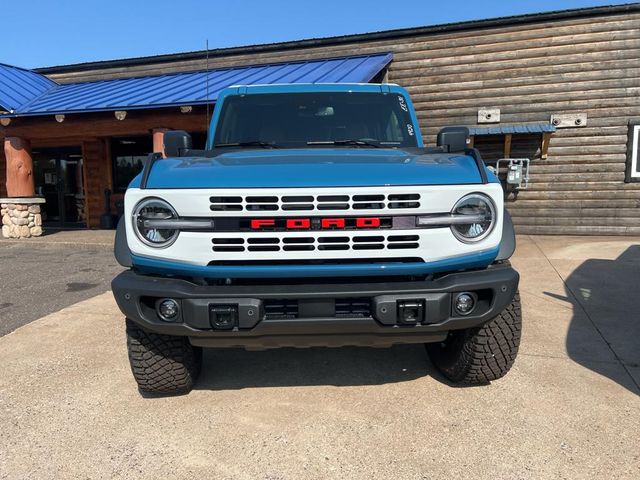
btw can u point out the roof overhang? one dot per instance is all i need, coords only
(18, 87)
(515, 129)
(195, 88)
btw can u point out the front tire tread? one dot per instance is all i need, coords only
(162, 364)
(478, 356)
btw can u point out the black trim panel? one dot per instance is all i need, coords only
(135, 293)
(508, 241)
(120, 247)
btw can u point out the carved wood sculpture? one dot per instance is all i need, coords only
(158, 139)
(19, 167)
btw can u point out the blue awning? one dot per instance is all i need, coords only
(191, 88)
(522, 128)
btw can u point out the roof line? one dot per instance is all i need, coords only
(110, 95)
(341, 39)
(222, 69)
(19, 68)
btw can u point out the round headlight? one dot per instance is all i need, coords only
(475, 217)
(144, 215)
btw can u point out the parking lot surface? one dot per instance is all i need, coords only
(570, 408)
(42, 275)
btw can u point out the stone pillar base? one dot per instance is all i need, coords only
(21, 217)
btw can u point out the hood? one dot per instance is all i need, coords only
(313, 167)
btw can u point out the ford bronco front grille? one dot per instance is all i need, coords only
(353, 307)
(312, 242)
(292, 203)
(285, 309)
(281, 309)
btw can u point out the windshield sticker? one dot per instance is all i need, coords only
(403, 103)
(410, 129)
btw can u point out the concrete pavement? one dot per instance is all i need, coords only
(570, 408)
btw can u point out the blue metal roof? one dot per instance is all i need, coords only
(522, 128)
(18, 87)
(192, 89)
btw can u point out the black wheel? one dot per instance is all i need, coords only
(477, 356)
(162, 363)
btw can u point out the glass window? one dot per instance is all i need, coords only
(633, 152)
(291, 120)
(129, 155)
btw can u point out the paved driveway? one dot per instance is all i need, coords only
(570, 408)
(41, 276)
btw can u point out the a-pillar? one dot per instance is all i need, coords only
(158, 139)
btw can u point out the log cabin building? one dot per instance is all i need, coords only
(560, 88)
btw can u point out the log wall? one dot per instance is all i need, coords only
(3, 173)
(97, 178)
(586, 63)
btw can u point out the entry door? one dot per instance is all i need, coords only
(58, 178)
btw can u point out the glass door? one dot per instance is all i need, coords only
(58, 178)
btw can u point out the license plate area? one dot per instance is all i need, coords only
(280, 309)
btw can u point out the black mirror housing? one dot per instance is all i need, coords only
(176, 142)
(453, 139)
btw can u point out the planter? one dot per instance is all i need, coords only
(21, 217)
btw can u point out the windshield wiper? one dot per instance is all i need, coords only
(359, 143)
(253, 143)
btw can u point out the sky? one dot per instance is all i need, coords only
(39, 33)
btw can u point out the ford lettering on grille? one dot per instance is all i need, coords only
(319, 223)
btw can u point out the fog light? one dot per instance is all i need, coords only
(465, 303)
(168, 310)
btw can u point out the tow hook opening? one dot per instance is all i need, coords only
(223, 317)
(410, 312)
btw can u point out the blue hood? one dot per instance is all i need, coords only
(313, 167)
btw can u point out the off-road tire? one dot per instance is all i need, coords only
(477, 356)
(162, 364)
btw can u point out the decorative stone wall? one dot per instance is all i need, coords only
(21, 217)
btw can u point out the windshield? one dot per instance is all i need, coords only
(292, 120)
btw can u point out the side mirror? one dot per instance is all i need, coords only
(176, 142)
(454, 139)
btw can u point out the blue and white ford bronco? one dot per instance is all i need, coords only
(315, 216)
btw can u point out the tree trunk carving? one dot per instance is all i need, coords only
(20, 181)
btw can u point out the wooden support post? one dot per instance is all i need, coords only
(544, 149)
(507, 146)
(19, 167)
(471, 141)
(158, 139)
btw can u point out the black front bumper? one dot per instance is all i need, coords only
(315, 314)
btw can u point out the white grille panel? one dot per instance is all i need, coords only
(196, 248)
(311, 242)
(314, 203)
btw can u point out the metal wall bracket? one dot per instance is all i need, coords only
(569, 120)
(489, 115)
